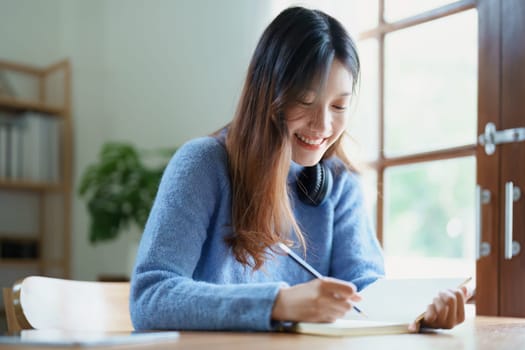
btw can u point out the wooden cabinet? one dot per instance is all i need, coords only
(35, 184)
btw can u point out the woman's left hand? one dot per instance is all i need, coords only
(446, 311)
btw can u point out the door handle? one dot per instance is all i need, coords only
(492, 137)
(482, 197)
(512, 194)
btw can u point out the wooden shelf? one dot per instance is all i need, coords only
(16, 261)
(26, 185)
(19, 105)
(51, 214)
(24, 237)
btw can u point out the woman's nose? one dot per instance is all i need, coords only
(321, 120)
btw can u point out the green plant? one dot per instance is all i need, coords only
(119, 188)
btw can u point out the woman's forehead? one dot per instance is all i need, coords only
(339, 81)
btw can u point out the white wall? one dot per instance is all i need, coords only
(84, 41)
(177, 66)
(30, 30)
(156, 73)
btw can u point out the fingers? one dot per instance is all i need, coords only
(468, 292)
(460, 311)
(450, 301)
(336, 295)
(340, 289)
(320, 300)
(413, 327)
(431, 315)
(446, 311)
(331, 311)
(438, 313)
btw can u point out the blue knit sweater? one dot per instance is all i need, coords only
(185, 275)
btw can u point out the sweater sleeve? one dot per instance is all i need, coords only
(356, 254)
(163, 293)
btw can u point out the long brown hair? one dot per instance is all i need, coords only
(294, 54)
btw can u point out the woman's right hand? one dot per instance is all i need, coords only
(319, 300)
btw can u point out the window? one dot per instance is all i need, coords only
(416, 122)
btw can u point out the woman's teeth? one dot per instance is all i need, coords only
(314, 142)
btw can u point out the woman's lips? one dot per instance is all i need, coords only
(309, 143)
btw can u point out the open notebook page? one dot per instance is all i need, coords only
(390, 306)
(401, 300)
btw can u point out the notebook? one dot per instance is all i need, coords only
(390, 306)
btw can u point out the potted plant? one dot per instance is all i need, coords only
(120, 188)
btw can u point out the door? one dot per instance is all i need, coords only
(501, 171)
(512, 273)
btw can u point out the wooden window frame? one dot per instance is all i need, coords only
(383, 162)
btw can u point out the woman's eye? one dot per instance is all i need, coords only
(339, 108)
(306, 99)
(305, 103)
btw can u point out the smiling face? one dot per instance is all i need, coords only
(315, 122)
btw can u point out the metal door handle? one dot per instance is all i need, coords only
(492, 137)
(512, 194)
(482, 197)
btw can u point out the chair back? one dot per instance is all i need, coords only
(51, 303)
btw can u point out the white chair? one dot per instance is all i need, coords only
(67, 305)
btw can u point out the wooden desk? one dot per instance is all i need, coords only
(481, 333)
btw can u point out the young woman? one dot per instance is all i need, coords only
(209, 256)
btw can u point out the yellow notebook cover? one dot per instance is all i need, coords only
(390, 306)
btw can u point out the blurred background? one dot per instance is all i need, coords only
(155, 74)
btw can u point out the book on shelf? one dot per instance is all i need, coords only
(29, 147)
(31, 124)
(6, 121)
(41, 148)
(389, 307)
(15, 169)
(3, 150)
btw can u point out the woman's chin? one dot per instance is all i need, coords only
(306, 161)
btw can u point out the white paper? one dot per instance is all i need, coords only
(400, 300)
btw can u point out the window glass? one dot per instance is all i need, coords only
(431, 85)
(362, 14)
(355, 15)
(364, 119)
(429, 218)
(369, 183)
(399, 9)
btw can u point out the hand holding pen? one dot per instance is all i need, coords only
(323, 299)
